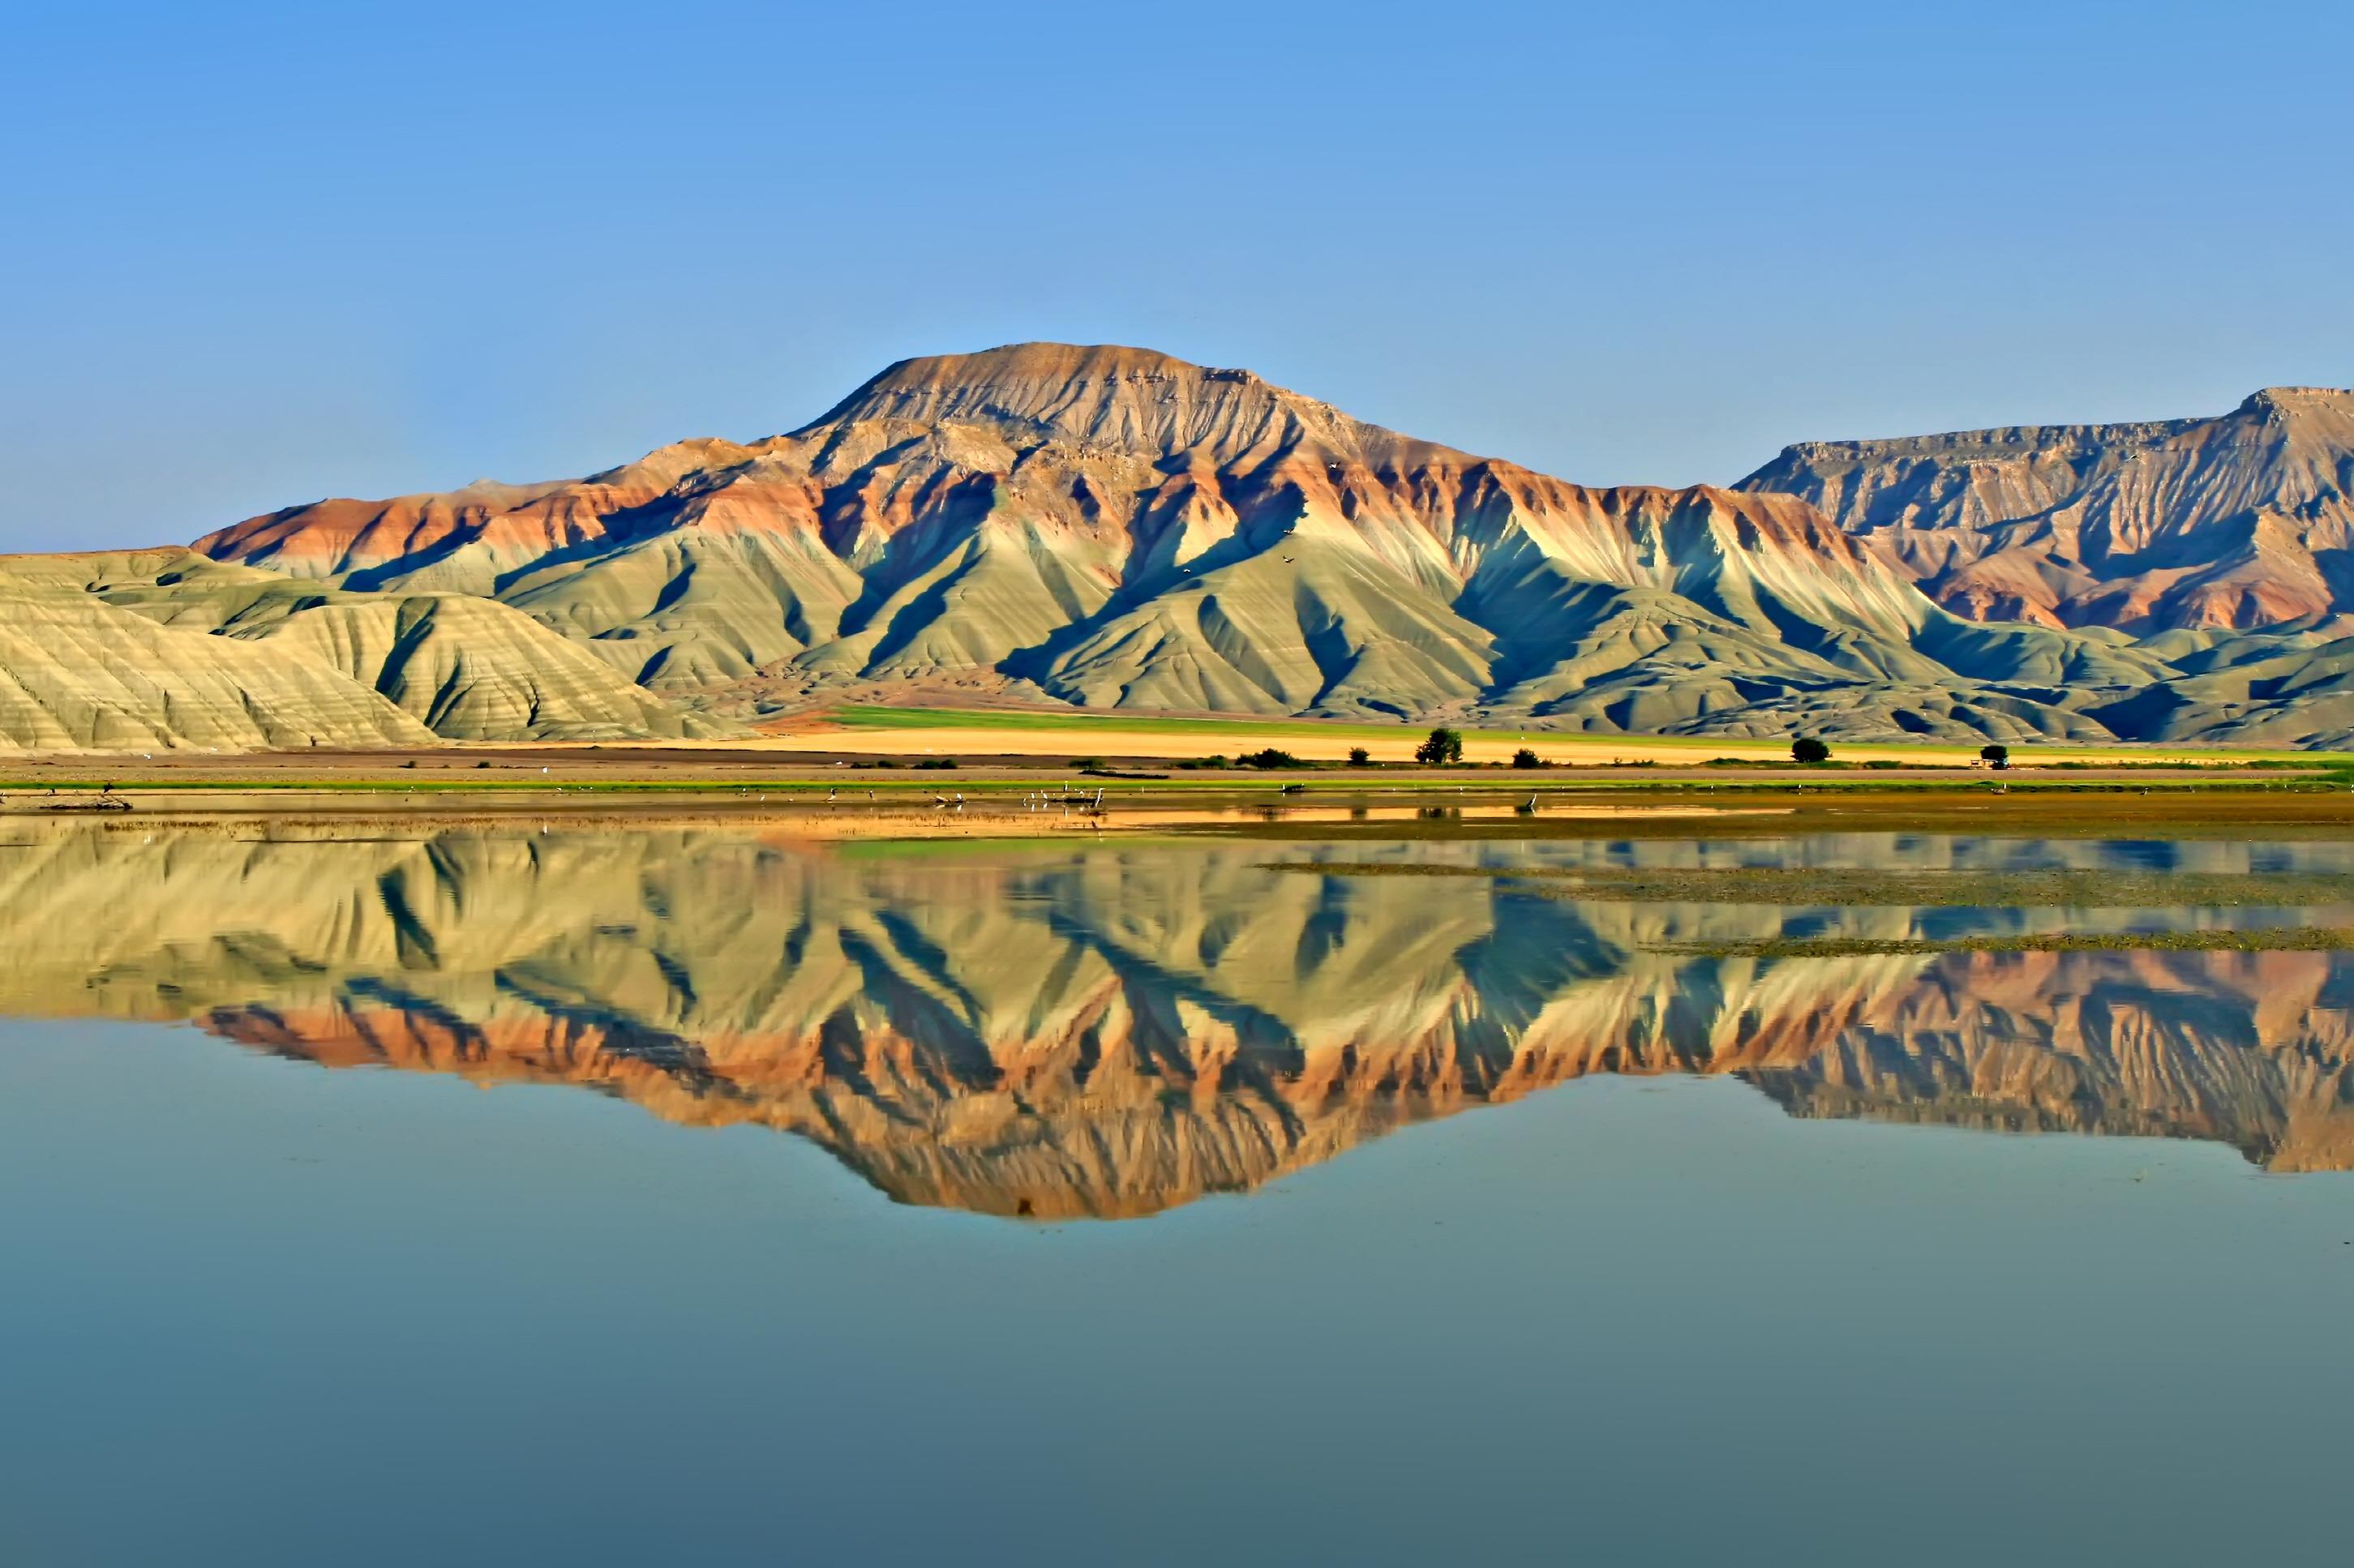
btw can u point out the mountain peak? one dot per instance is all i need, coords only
(2142, 527)
(1111, 396)
(1047, 361)
(2287, 402)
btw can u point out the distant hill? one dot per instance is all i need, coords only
(2238, 522)
(1111, 528)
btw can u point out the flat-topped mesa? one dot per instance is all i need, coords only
(2315, 423)
(2339, 400)
(2226, 522)
(1123, 400)
(2314, 414)
(1995, 444)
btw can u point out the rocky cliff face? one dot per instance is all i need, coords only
(1111, 1032)
(2234, 523)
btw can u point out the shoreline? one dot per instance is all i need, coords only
(1472, 804)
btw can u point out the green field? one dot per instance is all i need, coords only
(878, 716)
(875, 716)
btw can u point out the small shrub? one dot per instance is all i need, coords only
(937, 763)
(1270, 757)
(1359, 756)
(1439, 747)
(1525, 757)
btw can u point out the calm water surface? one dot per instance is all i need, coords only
(492, 1195)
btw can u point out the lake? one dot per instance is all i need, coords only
(700, 1194)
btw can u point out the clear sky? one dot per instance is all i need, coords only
(258, 254)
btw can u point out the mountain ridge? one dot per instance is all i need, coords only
(1113, 527)
(2240, 521)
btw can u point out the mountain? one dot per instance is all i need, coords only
(2234, 522)
(167, 648)
(1112, 527)
(78, 673)
(1111, 1031)
(1116, 528)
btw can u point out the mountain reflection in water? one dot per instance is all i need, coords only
(1116, 1029)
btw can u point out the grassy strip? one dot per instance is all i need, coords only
(921, 782)
(1490, 787)
(876, 715)
(1790, 888)
(1241, 728)
(2275, 939)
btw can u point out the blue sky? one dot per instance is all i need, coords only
(259, 254)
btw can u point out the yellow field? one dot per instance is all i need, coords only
(946, 733)
(1111, 739)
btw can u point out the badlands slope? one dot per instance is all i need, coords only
(139, 650)
(2241, 520)
(1116, 529)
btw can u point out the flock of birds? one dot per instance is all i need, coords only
(1031, 800)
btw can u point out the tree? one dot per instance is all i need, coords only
(1359, 756)
(1441, 745)
(1808, 749)
(1995, 755)
(1525, 757)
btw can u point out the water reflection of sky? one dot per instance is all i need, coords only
(261, 1314)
